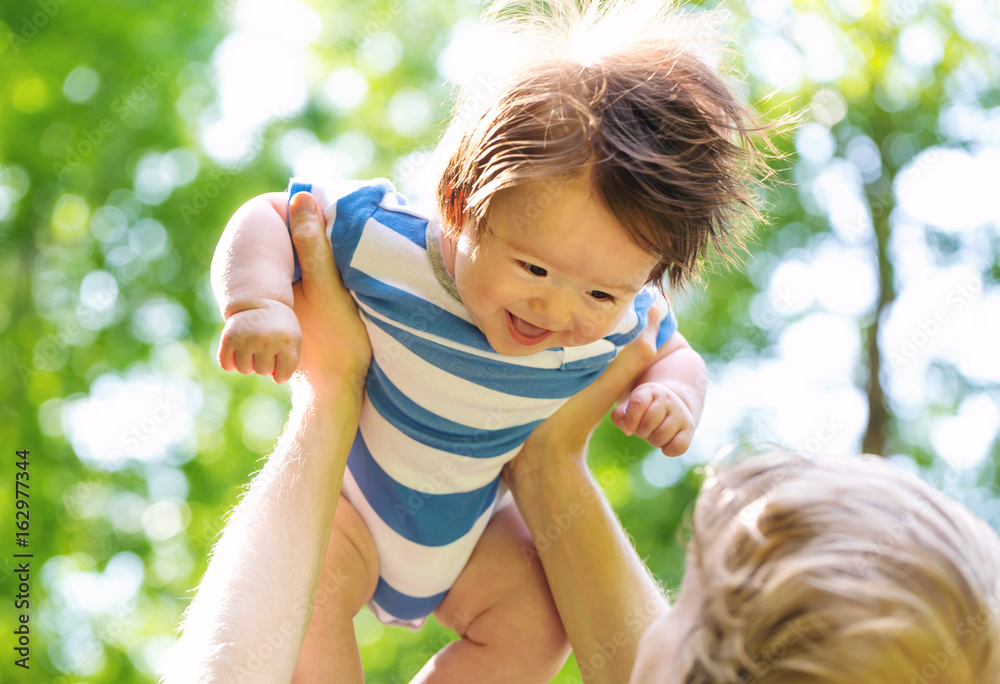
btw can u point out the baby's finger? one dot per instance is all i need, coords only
(243, 360)
(665, 431)
(679, 443)
(286, 363)
(263, 363)
(656, 414)
(618, 415)
(225, 355)
(635, 409)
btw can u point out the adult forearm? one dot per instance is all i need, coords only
(602, 589)
(248, 619)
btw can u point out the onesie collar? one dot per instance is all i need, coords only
(433, 237)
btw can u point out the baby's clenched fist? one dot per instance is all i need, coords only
(265, 339)
(657, 414)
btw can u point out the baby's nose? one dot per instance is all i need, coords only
(555, 310)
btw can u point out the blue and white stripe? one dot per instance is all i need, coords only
(443, 412)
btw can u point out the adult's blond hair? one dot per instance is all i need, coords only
(631, 93)
(839, 570)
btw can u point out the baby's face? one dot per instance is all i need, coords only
(554, 269)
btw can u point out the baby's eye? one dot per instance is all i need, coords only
(532, 269)
(602, 296)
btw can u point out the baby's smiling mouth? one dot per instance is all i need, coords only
(524, 332)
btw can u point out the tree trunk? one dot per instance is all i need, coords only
(879, 415)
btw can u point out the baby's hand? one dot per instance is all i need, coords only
(265, 340)
(657, 414)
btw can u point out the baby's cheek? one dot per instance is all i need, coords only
(582, 337)
(480, 299)
(481, 305)
(597, 325)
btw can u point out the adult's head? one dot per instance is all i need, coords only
(829, 570)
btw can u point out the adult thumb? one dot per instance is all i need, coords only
(308, 229)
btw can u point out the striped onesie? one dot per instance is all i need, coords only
(443, 412)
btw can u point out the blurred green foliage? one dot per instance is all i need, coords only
(93, 93)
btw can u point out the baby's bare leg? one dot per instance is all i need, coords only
(502, 608)
(350, 575)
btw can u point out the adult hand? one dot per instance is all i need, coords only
(335, 343)
(566, 433)
(603, 591)
(271, 553)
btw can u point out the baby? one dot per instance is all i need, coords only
(560, 214)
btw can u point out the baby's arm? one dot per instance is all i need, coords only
(665, 405)
(252, 273)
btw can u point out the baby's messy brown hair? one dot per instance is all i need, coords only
(671, 149)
